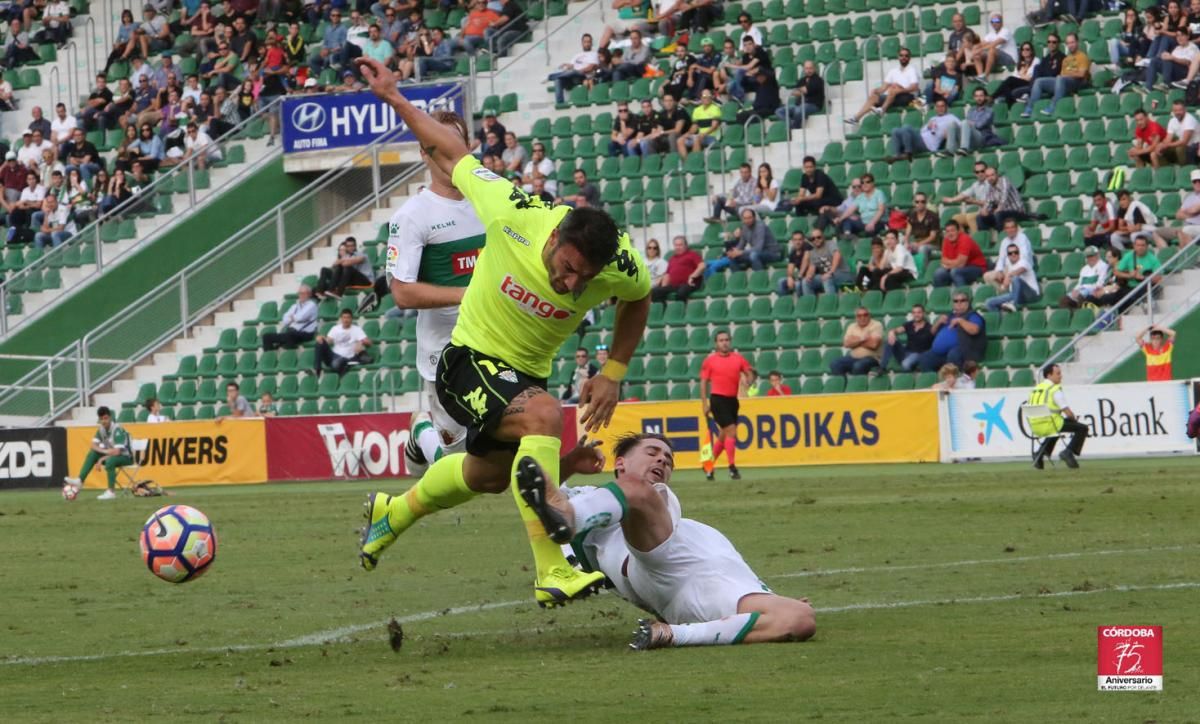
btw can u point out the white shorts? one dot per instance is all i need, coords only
(447, 428)
(695, 575)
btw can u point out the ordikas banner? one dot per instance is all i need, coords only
(1123, 419)
(886, 427)
(185, 453)
(330, 447)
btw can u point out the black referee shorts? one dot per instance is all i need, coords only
(724, 409)
(475, 389)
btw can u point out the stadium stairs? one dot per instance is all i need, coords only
(189, 374)
(42, 282)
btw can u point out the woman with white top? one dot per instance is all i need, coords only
(766, 190)
(155, 409)
(1016, 86)
(900, 267)
(655, 263)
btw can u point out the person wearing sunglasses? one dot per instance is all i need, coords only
(1074, 72)
(958, 336)
(996, 48)
(899, 89)
(1016, 279)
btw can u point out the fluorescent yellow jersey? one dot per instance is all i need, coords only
(510, 311)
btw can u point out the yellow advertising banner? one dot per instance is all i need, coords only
(204, 452)
(886, 427)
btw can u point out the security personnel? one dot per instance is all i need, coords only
(1050, 393)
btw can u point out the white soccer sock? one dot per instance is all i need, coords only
(728, 630)
(598, 508)
(430, 443)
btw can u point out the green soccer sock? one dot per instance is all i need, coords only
(442, 486)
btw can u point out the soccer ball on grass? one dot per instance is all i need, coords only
(178, 543)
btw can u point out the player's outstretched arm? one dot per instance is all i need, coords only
(423, 295)
(442, 143)
(598, 395)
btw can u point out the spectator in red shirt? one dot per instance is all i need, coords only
(721, 373)
(1147, 134)
(12, 176)
(962, 260)
(777, 387)
(685, 273)
(479, 20)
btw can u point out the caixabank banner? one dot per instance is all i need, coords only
(887, 427)
(185, 453)
(1123, 419)
(33, 457)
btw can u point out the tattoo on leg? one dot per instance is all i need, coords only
(517, 405)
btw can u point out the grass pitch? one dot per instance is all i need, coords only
(944, 594)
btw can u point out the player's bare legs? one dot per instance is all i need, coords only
(761, 618)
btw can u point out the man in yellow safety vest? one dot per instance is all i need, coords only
(1049, 392)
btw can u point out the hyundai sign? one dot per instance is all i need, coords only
(346, 120)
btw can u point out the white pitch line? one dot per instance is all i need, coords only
(338, 634)
(981, 562)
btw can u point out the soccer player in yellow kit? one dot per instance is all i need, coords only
(542, 268)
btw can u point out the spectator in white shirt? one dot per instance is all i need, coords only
(52, 225)
(1012, 235)
(539, 167)
(62, 125)
(31, 153)
(1172, 65)
(56, 23)
(199, 146)
(1179, 147)
(344, 345)
(1017, 280)
(996, 48)
(940, 131)
(899, 88)
(578, 71)
(29, 202)
(1092, 277)
(154, 411)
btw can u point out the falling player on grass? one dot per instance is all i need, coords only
(542, 268)
(686, 573)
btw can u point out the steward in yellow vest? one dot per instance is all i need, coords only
(1062, 420)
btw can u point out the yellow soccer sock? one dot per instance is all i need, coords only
(442, 486)
(544, 449)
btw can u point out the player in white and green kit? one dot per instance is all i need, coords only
(542, 269)
(110, 449)
(688, 574)
(433, 241)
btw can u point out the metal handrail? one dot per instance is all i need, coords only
(1182, 259)
(72, 52)
(867, 63)
(545, 39)
(676, 173)
(188, 316)
(92, 232)
(89, 29)
(746, 135)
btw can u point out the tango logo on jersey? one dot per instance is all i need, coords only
(529, 302)
(463, 262)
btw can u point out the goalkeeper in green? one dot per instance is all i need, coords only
(541, 269)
